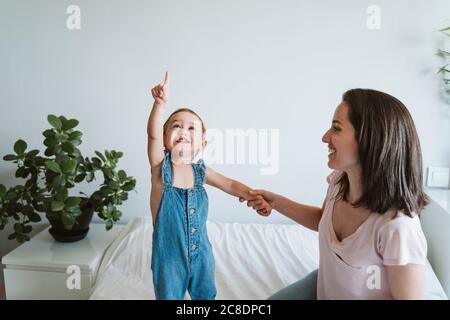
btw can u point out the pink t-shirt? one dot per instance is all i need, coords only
(354, 268)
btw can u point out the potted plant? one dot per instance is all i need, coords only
(49, 178)
(444, 71)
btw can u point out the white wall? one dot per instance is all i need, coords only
(240, 64)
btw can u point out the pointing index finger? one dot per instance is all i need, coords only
(166, 79)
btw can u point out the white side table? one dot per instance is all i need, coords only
(38, 269)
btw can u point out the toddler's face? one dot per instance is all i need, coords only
(184, 137)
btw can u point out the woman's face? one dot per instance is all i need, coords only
(342, 144)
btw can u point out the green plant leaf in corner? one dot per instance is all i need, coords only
(68, 166)
(68, 220)
(57, 205)
(69, 124)
(100, 155)
(53, 166)
(109, 225)
(20, 146)
(54, 121)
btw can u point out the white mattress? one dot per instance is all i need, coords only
(253, 261)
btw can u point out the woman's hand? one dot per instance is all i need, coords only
(307, 216)
(161, 92)
(261, 200)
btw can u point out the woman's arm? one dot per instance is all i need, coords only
(155, 134)
(406, 282)
(307, 216)
(237, 189)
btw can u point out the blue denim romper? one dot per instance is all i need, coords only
(182, 257)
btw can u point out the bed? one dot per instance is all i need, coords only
(253, 261)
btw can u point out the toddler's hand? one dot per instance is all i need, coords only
(161, 92)
(259, 204)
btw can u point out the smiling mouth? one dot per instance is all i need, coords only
(331, 151)
(181, 140)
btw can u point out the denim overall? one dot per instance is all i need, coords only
(182, 257)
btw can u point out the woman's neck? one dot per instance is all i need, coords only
(355, 184)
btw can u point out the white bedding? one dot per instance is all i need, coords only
(253, 261)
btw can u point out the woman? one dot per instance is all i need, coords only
(370, 239)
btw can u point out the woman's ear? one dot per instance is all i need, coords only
(204, 143)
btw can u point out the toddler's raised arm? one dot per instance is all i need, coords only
(155, 134)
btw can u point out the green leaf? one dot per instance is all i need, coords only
(58, 182)
(122, 175)
(20, 172)
(11, 195)
(2, 191)
(106, 190)
(61, 137)
(116, 215)
(50, 142)
(69, 124)
(76, 135)
(90, 176)
(68, 147)
(96, 161)
(54, 121)
(57, 205)
(27, 229)
(100, 155)
(62, 195)
(73, 202)
(445, 29)
(68, 166)
(50, 151)
(76, 142)
(34, 217)
(114, 185)
(27, 210)
(119, 155)
(32, 153)
(52, 166)
(68, 220)
(108, 173)
(128, 186)
(20, 238)
(12, 236)
(57, 149)
(48, 133)
(18, 227)
(109, 225)
(80, 177)
(74, 210)
(10, 157)
(20, 146)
